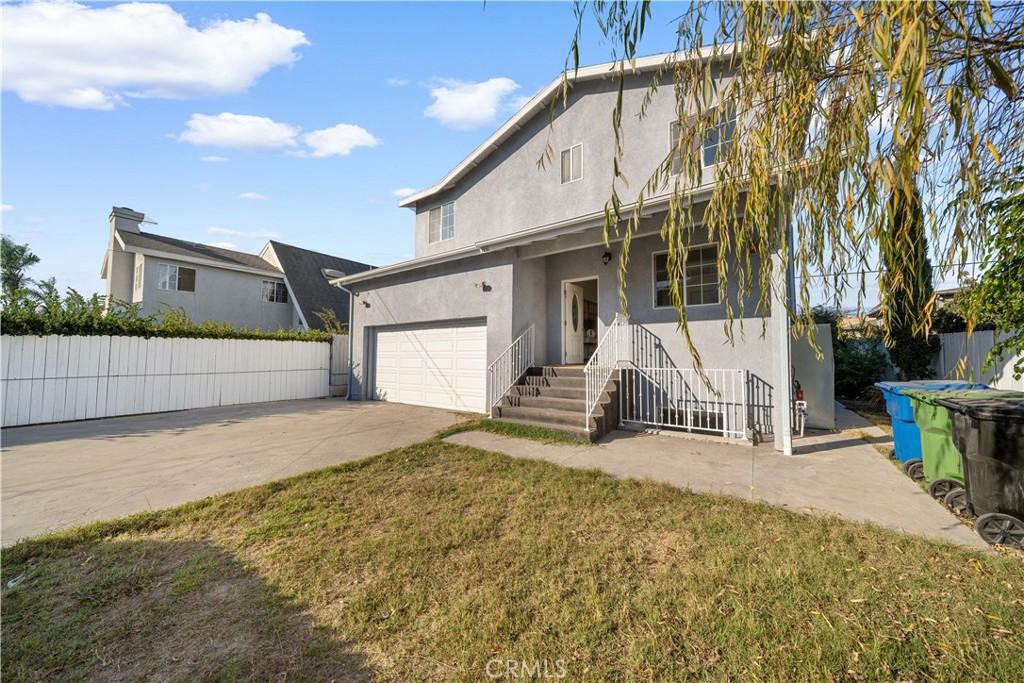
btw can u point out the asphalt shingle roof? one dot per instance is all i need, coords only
(312, 291)
(170, 245)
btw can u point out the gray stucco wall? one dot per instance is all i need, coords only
(707, 323)
(478, 288)
(221, 295)
(507, 192)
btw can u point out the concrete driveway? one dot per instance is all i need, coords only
(58, 476)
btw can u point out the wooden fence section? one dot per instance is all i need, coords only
(57, 378)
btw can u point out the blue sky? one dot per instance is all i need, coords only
(78, 137)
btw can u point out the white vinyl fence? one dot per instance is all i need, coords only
(57, 378)
(974, 350)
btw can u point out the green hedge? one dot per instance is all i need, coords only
(45, 312)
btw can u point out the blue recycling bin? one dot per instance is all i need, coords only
(905, 434)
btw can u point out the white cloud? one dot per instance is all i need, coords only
(90, 57)
(255, 196)
(403, 192)
(224, 245)
(212, 158)
(239, 131)
(398, 82)
(339, 140)
(249, 234)
(4, 208)
(465, 105)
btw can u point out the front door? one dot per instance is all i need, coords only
(572, 323)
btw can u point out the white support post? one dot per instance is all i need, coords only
(783, 416)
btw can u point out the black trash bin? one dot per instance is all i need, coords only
(989, 433)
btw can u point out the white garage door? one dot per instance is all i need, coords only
(442, 367)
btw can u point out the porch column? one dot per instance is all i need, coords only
(782, 415)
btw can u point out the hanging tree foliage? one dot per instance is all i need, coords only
(840, 106)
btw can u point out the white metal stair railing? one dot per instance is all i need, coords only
(509, 367)
(602, 363)
(675, 398)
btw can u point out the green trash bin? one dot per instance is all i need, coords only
(942, 464)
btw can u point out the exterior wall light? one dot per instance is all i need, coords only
(606, 257)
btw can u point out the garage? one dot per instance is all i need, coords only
(441, 366)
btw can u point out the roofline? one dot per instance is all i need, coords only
(549, 231)
(204, 262)
(539, 101)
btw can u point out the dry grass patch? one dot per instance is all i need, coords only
(427, 562)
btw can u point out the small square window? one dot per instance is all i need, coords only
(718, 138)
(275, 292)
(572, 164)
(700, 278)
(441, 223)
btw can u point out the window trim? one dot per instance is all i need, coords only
(677, 161)
(569, 149)
(138, 276)
(284, 288)
(440, 222)
(734, 117)
(654, 280)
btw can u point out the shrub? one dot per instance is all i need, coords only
(47, 312)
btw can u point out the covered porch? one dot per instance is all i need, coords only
(631, 370)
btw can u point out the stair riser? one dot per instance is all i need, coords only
(557, 382)
(572, 404)
(548, 371)
(544, 416)
(548, 392)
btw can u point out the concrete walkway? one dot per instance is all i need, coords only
(836, 473)
(57, 476)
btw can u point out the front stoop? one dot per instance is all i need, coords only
(554, 397)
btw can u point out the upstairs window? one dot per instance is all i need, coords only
(275, 292)
(176, 278)
(700, 278)
(673, 142)
(572, 164)
(442, 223)
(718, 139)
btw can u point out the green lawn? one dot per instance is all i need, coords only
(428, 562)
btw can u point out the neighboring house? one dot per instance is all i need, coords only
(511, 277)
(281, 287)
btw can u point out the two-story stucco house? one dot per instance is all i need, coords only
(281, 287)
(511, 306)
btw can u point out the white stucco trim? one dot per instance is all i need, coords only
(206, 262)
(293, 301)
(540, 101)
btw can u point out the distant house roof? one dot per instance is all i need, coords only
(304, 270)
(171, 245)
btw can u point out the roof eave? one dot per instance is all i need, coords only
(538, 102)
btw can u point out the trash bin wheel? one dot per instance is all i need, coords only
(914, 470)
(999, 529)
(892, 453)
(957, 501)
(940, 487)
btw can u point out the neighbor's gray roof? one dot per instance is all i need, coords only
(170, 245)
(312, 291)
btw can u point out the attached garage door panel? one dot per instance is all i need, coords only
(441, 367)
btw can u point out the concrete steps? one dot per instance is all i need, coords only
(554, 397)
